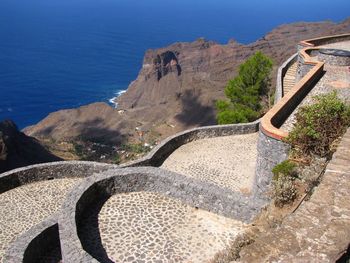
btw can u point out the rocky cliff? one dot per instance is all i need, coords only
(17, 149)
(176, 88)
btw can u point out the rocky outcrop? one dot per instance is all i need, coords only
(177, 87)
(17, 149)
(165, 63)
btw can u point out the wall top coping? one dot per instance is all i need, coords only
(311, 42)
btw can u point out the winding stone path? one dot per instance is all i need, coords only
(150, 227)
(227, 161)
(27, 205)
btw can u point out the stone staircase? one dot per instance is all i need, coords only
(289, 78)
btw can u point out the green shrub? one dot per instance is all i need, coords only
(244, 92)
(137, 148)
(117, 159)
(284, 190)
(285, 168)
(239, 114)
(319, 125)
(78, 149)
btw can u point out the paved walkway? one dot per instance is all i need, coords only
(27, 205)
(150, 227)
(227, 161)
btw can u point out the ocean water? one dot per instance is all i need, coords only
(57, 54)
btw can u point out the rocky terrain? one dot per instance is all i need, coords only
(175, 90)
(17, 149)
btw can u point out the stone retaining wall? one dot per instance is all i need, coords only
(47, 171)
(270, 153)
(304, 66)
(190, 191)
(158, 155)
(340, 59)
(31, 245)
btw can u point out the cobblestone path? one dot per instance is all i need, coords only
(227, 161)
(150, 227)
(27, 205)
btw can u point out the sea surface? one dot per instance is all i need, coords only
(57, 54)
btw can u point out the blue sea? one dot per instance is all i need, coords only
(57, 54)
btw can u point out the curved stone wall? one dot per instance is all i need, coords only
(334, 57)
(36, 243)
(28, 246)
(158, 155)
(270, 153)
(47, 171)
(147, 179)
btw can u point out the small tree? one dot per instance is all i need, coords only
(245, 91)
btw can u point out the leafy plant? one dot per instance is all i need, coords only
(318, 125)
(136, 148)
(244, 92)
(117, 159)
(285, 168)
(284, 190)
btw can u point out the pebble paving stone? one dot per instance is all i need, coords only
(150, 227)
(28, 205)
(227, 161)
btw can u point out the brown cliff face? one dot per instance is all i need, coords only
(17, 149)
(177, 87)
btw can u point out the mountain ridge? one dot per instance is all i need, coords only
(176, 88)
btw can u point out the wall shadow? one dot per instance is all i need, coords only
(89, 232)
(21, 150)
(194, 112)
